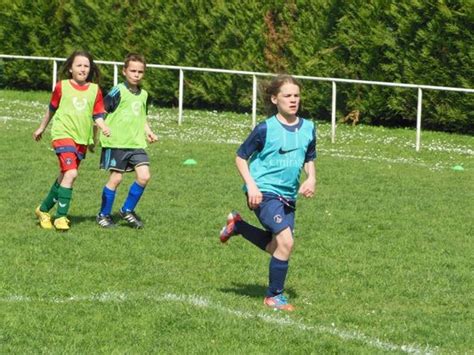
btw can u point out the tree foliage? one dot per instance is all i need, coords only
(411, 41)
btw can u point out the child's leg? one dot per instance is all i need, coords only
(52, 197)
(137, 188)
(69, 155)
(143, 174)
(42, 211)
(236, 225)
(65, 192)
(277, 217)
(257, 236)
(280, 247)
(274, 216)
(108, 192)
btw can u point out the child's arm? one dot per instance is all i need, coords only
(152, 137)
(95, 138)
(308, 187)
(38, 134)
(253, 192)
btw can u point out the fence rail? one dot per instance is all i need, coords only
(254, 75)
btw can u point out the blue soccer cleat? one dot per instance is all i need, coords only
(278, 302)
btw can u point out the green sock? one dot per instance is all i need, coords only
(51, 199)
(64, 200)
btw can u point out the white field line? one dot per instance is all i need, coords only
(198, 301)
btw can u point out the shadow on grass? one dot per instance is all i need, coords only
(78, 219)
(255, 291)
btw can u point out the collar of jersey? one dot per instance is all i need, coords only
(134, 93)
(291, 128)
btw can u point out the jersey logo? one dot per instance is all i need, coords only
(136, 105)
(79, 105)
(282, 151)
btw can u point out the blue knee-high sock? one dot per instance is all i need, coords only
(254, 235)
(277, 276)
(134, 194)
(108, 198)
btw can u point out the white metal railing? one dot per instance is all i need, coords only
(254, 75)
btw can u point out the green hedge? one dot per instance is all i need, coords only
(411, 41)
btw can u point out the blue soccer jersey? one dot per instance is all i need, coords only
(277, 153)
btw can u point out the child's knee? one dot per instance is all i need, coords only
(285, 240)
(288, 245)
(143, 178)
(70, 175)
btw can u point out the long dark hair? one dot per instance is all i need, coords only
(94, 73)
(272, 88)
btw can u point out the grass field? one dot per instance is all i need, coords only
(383, 261)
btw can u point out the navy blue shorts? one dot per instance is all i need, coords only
(276, 213)
(122, 160)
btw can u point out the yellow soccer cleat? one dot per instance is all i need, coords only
(61, 224)
(44, 219)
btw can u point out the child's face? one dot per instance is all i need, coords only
(134, 73)
(80, 69)
(287, 100)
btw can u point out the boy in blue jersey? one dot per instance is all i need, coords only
(124, 150)
(270, 162)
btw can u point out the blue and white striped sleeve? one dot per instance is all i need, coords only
(112, 99)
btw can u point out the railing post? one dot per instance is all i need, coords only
(333, 113)
(418, 119)
(115, 75)
(55, 74)
(254, 102)
(180, 100)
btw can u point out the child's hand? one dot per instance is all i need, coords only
(106, 130)
(91, 148)
(38, 134)
(308, 188)
(152, 137)
(254, 196)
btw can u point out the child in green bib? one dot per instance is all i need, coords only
(124, 150)
(76, 104)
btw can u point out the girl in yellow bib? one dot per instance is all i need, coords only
(124, 151)
(75, 105)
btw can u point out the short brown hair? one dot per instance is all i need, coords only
(134, 57)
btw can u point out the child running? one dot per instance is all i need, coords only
(270, 162)
(124, 151)
(75, 105)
